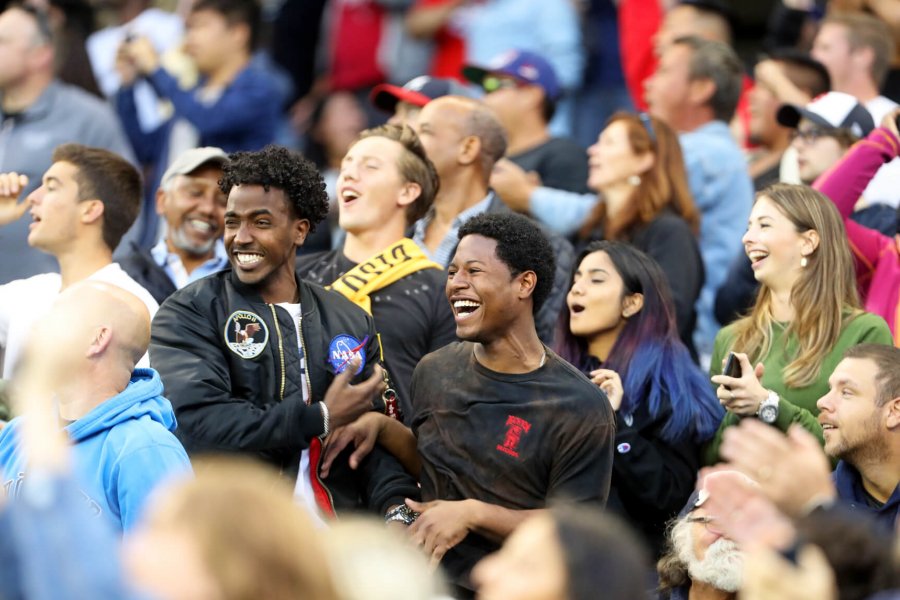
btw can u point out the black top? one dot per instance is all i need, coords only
(652, 478)
(515, 441)
(412, 315)
(561, 164)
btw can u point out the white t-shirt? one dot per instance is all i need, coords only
(885, 186)
(303, 491)
(24, 301)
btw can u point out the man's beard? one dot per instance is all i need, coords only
(180, 241)
(868, 447)
(722, 566)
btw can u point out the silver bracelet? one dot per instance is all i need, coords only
(325, 420)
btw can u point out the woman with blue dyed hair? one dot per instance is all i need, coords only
(620, 330)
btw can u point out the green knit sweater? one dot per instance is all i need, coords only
(797, 405)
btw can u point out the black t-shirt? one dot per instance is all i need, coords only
(412, 315)
(513, 440)
(561, 163)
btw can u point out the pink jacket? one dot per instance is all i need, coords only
(877, 260)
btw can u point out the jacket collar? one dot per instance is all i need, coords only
(850, 489)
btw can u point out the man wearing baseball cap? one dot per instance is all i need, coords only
(523, 90)
(404, 103)
(193, 207)
(824, 130)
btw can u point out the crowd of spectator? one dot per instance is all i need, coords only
(446, 299)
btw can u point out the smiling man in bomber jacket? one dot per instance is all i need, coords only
(257, 361)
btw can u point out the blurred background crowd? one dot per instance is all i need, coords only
(713, 187)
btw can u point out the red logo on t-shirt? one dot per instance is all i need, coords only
(515, 429)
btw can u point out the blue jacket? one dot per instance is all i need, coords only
(245, 117)
(49, 525)
(122, 450)
(851, 493)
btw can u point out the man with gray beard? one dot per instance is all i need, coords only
(701, 563)
(193, 207)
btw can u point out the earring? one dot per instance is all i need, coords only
(634, 180)
(803, 262)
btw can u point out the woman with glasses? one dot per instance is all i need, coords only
(807, 313)
(619, 330)
(637, 168)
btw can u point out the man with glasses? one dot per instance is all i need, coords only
(824, 130)
(523, 90)
(701, 561)
(39, 113)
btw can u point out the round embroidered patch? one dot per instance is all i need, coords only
(246, 334)
(343, 348)
(623, 448)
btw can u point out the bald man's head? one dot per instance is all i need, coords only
(444, 126)
(98, 321)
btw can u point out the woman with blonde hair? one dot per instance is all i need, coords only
(637, 168)
(807, 313)
(232, 533)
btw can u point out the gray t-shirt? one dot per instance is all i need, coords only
(62, 114)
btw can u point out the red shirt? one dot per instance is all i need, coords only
(355, 38)
(639, 20)
(449, 48)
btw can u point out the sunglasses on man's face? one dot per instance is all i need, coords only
(492, 83)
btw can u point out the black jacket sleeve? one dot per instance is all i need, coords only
(386, 482)
(186, 349)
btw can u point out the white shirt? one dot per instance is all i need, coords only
(23, 302)
(303, 491)
(885, 186)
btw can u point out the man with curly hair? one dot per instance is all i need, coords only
(257, 361)
(501, 424)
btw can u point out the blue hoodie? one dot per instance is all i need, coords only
(122, 449)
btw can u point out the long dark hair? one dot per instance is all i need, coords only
(600, 552)
(648, 355)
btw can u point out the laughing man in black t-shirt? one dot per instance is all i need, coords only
(385, 184)
(501, 424)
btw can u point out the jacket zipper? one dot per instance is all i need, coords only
(280, 351)
(309, 396)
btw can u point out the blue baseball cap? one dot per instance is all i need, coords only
(528, 67)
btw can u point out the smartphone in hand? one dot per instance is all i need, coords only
(732, 366)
